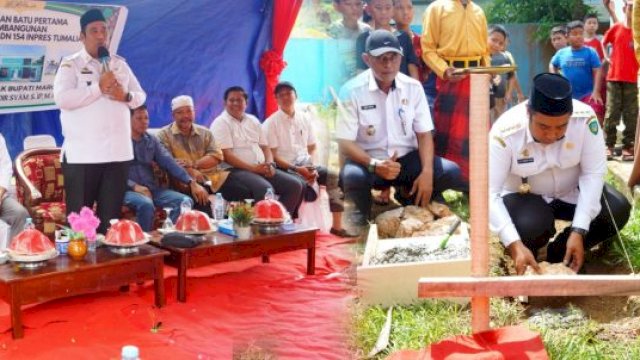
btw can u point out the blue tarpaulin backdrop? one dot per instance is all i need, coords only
(192, 47)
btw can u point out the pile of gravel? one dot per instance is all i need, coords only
(420, 253)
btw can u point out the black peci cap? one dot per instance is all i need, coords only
(551, 95)
(91, 16)
(283, 85)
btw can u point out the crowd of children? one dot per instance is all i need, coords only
(603, 73)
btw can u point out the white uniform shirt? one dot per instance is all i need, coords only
(380, 123)
(290, 135)
(6, 170)
(571, 169)
(96, 129)
(243, 137)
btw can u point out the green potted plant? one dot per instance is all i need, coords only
(242, 215)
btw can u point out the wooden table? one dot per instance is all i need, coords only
(63, 277)
(219, 248)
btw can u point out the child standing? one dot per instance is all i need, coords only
(594, 41)
(558, 37)
(382, 12)
(403, 16)
(495, 42)
(591, 39)
(347, 30)
(350, 26)
(579, 64)
(622, 90)
(514, 83)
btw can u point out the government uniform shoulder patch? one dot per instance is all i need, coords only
(500, 141)
(593, 125)
(510, 129)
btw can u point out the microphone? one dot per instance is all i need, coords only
(103, 55)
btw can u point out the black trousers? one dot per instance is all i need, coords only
(103, 184)
(243, 184)
(534, 220)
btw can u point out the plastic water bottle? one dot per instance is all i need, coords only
(218, 208)
(28, 224)
(269, 195)
(130, 352)
(185, 205)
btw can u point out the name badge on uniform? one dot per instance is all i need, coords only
(525, 160)
(86, 71)
(367, 107)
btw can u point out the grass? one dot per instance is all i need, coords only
(581, 343)
(423, 323)
(629, 234)
(417, 326)
(631, 240)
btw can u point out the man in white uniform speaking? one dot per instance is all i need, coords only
(547, 162)
(94, 94)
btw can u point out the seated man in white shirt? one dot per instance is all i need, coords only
(11, 212)
(248, 157)
(291, 138)
(547, 162)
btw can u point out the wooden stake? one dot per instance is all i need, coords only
(479, 193)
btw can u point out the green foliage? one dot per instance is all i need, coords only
(458, 203)
(241, 214)
(546, 13)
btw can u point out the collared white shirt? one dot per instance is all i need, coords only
(291, 135)
(243, 137)
(6, 170)
(571, 169)
(380, 123)
(96, 129)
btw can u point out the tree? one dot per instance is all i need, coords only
(546, 13)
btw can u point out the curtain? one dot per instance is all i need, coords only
(285, 13)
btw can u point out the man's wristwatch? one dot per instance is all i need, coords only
(580, 231)
(372, 165)
(293, 168)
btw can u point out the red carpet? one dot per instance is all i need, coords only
(273, 307)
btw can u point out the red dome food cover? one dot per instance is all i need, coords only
(193, 220)
(124, 232)
(31, 242)
(269, 210)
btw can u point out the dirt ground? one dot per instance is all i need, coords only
(618, 316)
